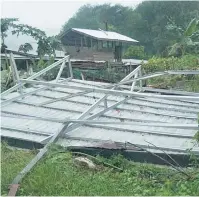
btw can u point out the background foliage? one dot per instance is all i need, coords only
(183, 82)
(146, 23)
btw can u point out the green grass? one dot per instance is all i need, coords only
(12, 161)
(56, 175)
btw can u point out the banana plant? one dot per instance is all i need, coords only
(187, 38)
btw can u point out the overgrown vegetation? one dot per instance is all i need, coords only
(107, 75)
(146, 23)
(57, 175)
(136, 52)
(188, 40)
(184, 82)
(187, 62)
(12, 162)
(46, 45)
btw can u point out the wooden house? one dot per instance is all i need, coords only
(94, 44)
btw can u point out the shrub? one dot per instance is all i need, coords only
(187, 62)
(135, 52)
(155, 64)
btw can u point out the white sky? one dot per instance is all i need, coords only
(49, 16)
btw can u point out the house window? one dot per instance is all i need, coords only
(110, 44)
(100, 45)
(104, 44)
(94, 43)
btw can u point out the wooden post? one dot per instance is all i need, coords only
(91, 43)
(81, 42)
(85, 41)
(27, 66)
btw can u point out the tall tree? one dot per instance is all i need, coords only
(46, 45)
(146, 23)
(6, 24)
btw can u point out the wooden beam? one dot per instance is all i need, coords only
(91, 43)
(81, 42)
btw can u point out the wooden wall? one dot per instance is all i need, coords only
(86, 53)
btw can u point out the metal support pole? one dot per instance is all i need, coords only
(16, 74)
(133, 84)
(34, 76)
(48, 68)
(15, 87)
(70, 67)
(140, 75)
(105, 103)
(74, 126)
(42, 152)
(4, 103)
(112, 92)
(82, 75)
(60, 71)
(13, 72)
(131, 74)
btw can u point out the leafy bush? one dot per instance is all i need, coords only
(135, 52)
(155, 64)
(185, 82)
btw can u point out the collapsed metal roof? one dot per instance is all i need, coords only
(91, 113)
(102, 35)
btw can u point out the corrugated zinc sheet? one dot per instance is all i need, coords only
(29, 120)
(104, 35)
